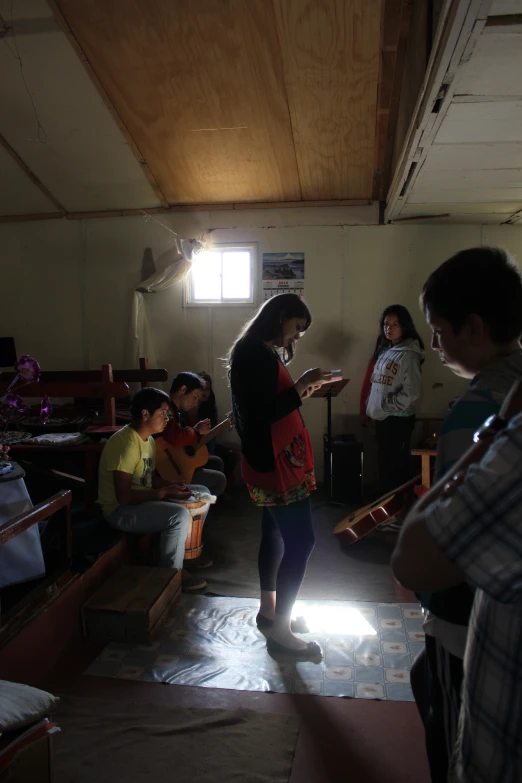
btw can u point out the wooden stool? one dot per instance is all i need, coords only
(425, 455)
(198, 511)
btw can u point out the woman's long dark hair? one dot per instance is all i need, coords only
(267, 323)
(207, 408)
(406, 323)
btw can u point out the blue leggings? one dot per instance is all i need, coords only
(286, 544)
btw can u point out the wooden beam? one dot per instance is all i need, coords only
(62, 21)
(28, 218)
(420, 217)
(34, 179)
(400, 58)
(359, 202)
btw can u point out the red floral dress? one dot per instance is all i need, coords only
(293, 476)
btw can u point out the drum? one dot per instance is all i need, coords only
(198, 511)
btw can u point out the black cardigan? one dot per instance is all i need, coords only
(255, 402)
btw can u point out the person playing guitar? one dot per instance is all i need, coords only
(186, 393)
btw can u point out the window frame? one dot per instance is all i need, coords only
(224, 246)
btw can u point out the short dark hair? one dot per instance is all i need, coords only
(148, 399)
(482, 281)
(189, 379)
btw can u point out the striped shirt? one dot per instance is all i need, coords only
(450, 609)
(479, 528)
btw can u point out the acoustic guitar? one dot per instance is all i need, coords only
(178, 463)
(359, 523)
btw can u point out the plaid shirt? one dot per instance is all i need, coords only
(479, 528)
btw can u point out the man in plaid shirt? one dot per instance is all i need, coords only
(469, 527)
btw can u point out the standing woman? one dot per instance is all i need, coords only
(395, 386)
(276, 458)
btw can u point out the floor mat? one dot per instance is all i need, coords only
(107, 741)
(360, 572)
(214, 643)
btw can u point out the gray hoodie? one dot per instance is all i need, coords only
(396, 381)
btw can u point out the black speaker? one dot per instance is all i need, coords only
(7, 352)
(345, 461)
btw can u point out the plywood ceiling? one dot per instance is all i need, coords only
(164, 104)
(241, 100)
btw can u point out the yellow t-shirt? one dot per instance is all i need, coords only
(128, 452)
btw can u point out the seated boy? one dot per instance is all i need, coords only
(132, 497)
(186, 393)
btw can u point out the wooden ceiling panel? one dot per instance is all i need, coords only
(200, 87)
(331, 50)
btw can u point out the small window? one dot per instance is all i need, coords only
(223, 275)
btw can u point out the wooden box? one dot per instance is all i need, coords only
(31, 763)
(132, 605)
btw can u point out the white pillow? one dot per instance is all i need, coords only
(21, 705)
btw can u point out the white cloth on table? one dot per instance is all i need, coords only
(21, 558)
(58, 439)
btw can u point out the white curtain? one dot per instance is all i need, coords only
(172, 267)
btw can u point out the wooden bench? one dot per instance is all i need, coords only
(57, 511)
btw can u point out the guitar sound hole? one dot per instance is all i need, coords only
(189, 451)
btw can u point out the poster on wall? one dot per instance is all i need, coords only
(283, 272)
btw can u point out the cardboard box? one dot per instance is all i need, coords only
(132, 605)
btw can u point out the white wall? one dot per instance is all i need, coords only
(67, 288)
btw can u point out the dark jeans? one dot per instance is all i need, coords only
(436, 681)
(393, 441)
(286, 544)
(211, 475)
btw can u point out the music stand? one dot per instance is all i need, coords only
(327, 391)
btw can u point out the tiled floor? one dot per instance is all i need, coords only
(214, 643)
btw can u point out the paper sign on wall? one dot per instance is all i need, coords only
(283, 273)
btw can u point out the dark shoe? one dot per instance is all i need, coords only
(198, 562)
(296, 626)
(190, 583)
(310, 652)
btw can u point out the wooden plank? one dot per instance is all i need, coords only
(442, 196)
(480, 179)
(330, 51)
(458, 30)
(34, 179)
(470, 157)
(351, 202)
(30, 218)
(494, 69)
(469, 123)
(92, 376)
(463, 208)
(398, 71)
(72, 389)
(199, 86)
(73, 40)
(505, 7)
(504, 20)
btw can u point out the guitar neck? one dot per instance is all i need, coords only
(213, 433)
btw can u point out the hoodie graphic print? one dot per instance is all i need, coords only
(396, 381)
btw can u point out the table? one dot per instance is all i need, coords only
(91, 453)
(21, 558)
(425, 455)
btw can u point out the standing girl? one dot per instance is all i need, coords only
(395, 386)
(276, 458)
